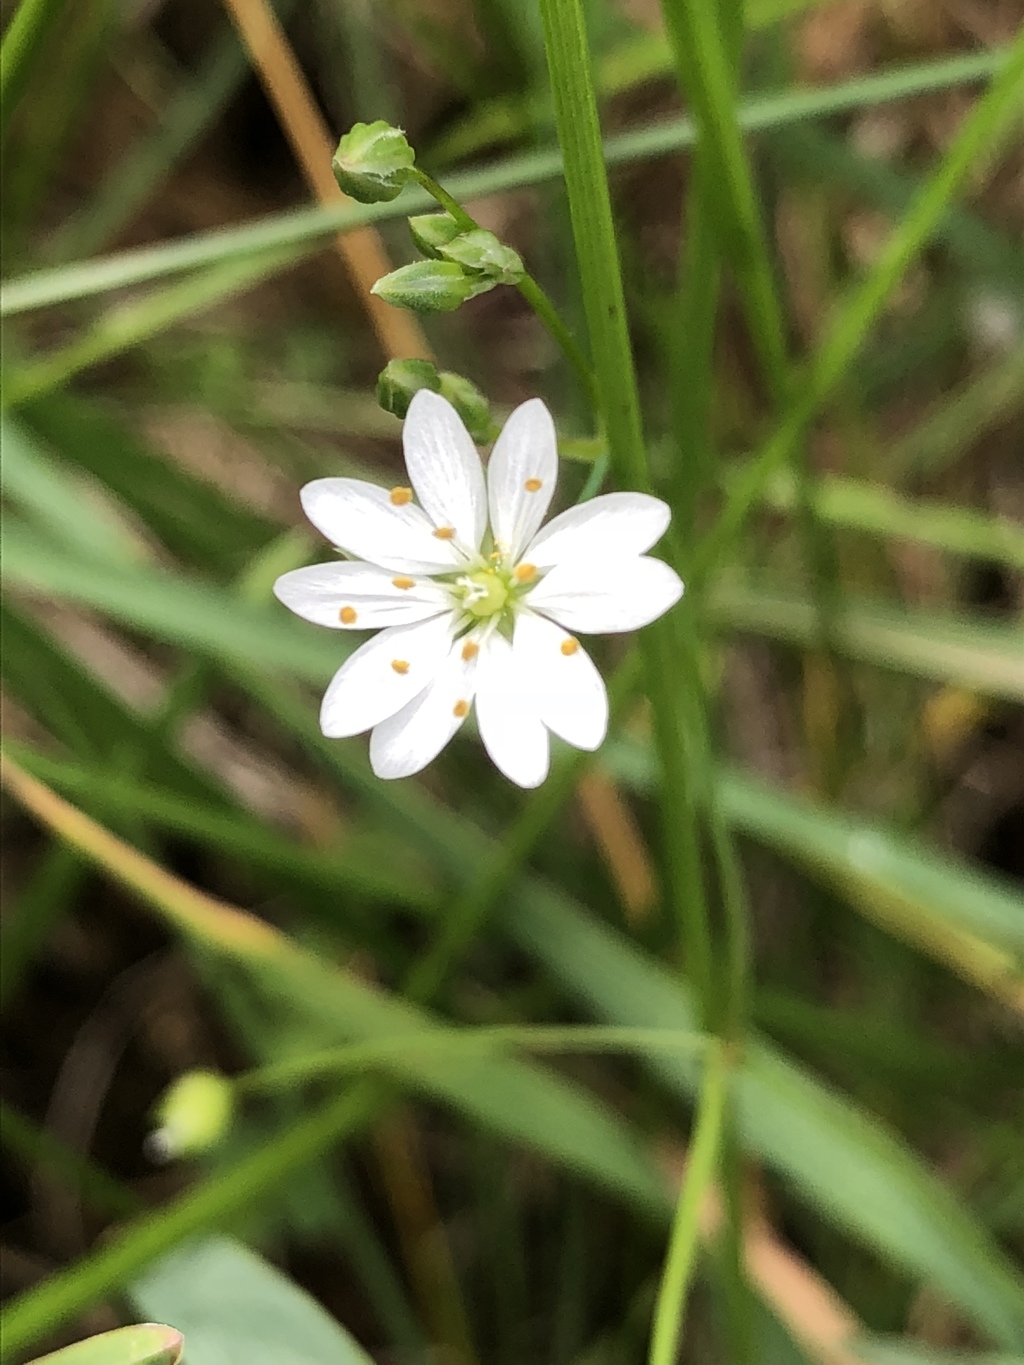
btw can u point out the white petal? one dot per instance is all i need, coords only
(564, 686)
(512, 732)
(410, 739)
(613, 526)
(361, 519)
(521, 476)
(368, 597)
(614, 595)
(444, 468)
(368, 687)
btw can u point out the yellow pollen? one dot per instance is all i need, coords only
(470, 650)
(403, 583)
(347, 615)
(445, 532)
(460, 709)
(494, 556)
(569, 646)
(400, 496)
(525, 573)
(400, 665)
(533, 485)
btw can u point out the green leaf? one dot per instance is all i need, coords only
(147, 1344)
(232, 1305)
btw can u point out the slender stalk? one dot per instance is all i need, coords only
(670, 1308)
(22, 42)
(586, 179)
(339, 1061)
(528, 288)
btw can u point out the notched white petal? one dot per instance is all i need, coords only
(613, 526)
(354, 596)
(413, 737)
(604, 598)
(513, 733)
(383, 675)
(521, 476)
(444, 468)
(364, 521)
(564, 686)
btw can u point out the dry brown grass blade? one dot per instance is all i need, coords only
(399, 333)
(620, 841)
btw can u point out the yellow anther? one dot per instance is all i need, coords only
(347, 616)
(470, 650)
(445, 532)
(400, 496)
(460, 709)
(494, 556)
(569, 646)
(533, 485)
(400, 665)
(404, 583)
(525, 573)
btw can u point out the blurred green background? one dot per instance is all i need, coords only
(186, 343)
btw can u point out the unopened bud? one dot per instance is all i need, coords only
(470, 404)
(432, 231)
(482, 253)
(429, 286)
(400, 379)
(373, 162)
(192, 1115)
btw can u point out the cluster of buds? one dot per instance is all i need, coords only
(373, 164)
(401, 379)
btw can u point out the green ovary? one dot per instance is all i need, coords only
(486, 593)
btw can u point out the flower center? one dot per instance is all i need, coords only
(484, 592)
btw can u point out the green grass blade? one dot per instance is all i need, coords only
(857, 505)
(978, 136)
(23, 41)
(988, 659)
(43, 288)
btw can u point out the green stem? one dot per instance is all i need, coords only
(22, 43)
(572, 1038)
(579, 134)
(528, 288)
(670, 1308)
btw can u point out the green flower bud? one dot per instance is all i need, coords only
(192, 1114)
(373, 162)
(471, 405)
(400, 379)
(429, 286)
(432, 231)
(481, 252)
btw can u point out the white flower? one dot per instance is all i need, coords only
(471, 611)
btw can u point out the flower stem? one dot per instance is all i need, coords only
(586, 179)
(528, 288)
(670, 1307)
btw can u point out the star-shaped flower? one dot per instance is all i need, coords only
(473, 601)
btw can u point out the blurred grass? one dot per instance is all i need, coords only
(153, 447)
